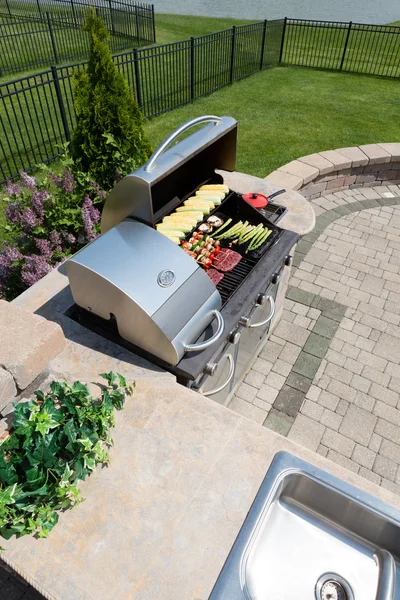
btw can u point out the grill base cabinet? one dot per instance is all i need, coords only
(139, 289)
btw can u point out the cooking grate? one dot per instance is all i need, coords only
(233, 279)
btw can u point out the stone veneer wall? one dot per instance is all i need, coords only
(27, 344)
(341, 169)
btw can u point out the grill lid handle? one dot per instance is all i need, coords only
(162, 147)
(214, 338)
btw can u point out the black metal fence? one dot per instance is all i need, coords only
(37, 115)
(351, 47)
(54, 38)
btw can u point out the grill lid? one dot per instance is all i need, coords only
(157, 188)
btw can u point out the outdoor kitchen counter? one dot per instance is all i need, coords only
(159, 522)
(300, 216)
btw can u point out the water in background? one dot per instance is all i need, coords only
(358, 11)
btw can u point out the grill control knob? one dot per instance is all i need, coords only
(244, 321)
(234, 337)
(261, 298)
(210, 368)
(275, 278)
(288, 261)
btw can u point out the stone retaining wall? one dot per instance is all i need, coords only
(28, 343)
(341, 169)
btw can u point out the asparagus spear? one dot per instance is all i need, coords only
(227, 222)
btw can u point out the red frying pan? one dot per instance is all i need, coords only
(258, 200)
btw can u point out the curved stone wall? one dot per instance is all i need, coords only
(341, 169)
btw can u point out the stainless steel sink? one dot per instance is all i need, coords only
(311, 536)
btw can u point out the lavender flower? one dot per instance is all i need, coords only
(68, 182)
(28, 181)
(44, 248)
(28, 219)
(55, 179)
(35, 268)
(12, 212)
(37, 203)
(12, 189)
(90, 217)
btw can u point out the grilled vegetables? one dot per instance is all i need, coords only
(242, 233)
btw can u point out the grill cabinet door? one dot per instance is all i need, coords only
(223, 376)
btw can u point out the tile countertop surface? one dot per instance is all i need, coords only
(161, 519)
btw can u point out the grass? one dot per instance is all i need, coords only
(289, 112)
(174, 28)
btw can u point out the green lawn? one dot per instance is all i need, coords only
(173, 28)
(289, 112)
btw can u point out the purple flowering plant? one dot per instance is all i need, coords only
(48, 218)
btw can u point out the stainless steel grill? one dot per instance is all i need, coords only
(136, 287)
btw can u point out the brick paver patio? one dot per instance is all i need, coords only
(329, 377)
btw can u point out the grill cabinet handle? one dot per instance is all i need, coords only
(271, 314)
(230, 375)
(214, 338)
(162, 147)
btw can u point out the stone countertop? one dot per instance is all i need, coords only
(159, 521)
(300, 216)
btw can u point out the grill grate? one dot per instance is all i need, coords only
(233, 279)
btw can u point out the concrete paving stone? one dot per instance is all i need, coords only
(364, 344)
(248, 410)
(267, 393)
(394, 150)
(322, 450)
(353, 366)
(375, 153)
(317, 345)
(325, 327)
(262, 404)
(285, 180)
(370, 475)
(385, 467)
(246, 392)
(390, 450)
(341, 390)
(292, 333)
(312, 410)
(307, 432)
(299, 169)
(369, 194)
(262, 366)
(306, 365)
(387, 430)
(371, 360)
(314, 393)
(342, 460)
(361, 384)
(279, 422)
(342, 407)
(290, 353)
(384, 411)
(271, 351)
(376, 376)
(323, 165)
(275, 380)
(335, 357)
(394, 384)
(363, 456)
(7, 387)
(302, 321)
(338, 442)
(254, 378)
(358, 424)
(289, 401)
(358, 157)
(281, 367)
(375, 442)
(331, 419)
(388, 347)
(328, 400)
(300, 309)
(381, 393)
(362, 330)
(338, 159)
(299, 382)
(389, 485)
(336, 372)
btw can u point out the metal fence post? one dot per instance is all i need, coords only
(282, 40)
(137, 78)
(153, 23)
(39, 10)
(53, 42)
(8, 7)
(345, 45)
(137, 23)
(192, 70)
(112, 18)
(232, 70)
(61, 103)
(263, 45)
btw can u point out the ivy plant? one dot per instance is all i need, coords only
(57, 439)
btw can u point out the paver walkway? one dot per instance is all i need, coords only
(329, 377)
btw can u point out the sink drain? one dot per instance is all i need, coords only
(333, 587)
